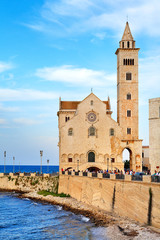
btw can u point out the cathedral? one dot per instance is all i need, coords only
(88, 136)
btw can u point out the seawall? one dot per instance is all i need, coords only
(28, 183)
(139, 201)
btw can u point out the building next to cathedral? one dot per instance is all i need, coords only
(88, 136)
(154, 134)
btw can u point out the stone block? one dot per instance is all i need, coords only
(80, 174)
(33, 174)
(99, 175)
(128, 177)
(1, 174)
(21, 174)
(147, 178)
(112, 176)
(45, 175)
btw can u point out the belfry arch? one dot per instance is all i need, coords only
(127, 156)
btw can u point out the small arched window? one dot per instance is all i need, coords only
(128, 96)
(124, 62)
(122, 44)
(92, 131)
(111, 131)
(128, 61)
(91, 102)
(91, 157)
(128, 44)
(70, 132)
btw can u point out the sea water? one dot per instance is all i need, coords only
(25, 219)
(29, 168)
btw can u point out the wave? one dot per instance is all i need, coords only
(85, 219)
(59, 208)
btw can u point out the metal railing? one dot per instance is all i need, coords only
(120, 176)
(137, 177)
(155, 178)
(106, 175)
(85, 174)
(94, 174)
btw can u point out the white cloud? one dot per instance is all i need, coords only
(5, 66)
(2, 121)
(76, 76)
(26, 121)
(25, 95)
(65, 17)
(8, 109)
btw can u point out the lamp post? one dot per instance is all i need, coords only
(77, 165)
(41, 154)
(13, 163)
(111, 164)
(4, 161)
(107, 164)
(47, 165)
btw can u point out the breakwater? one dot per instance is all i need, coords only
(138, 200)
(28, 182)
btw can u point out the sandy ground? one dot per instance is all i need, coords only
(117, 227)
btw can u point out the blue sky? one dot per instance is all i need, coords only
(64, 48)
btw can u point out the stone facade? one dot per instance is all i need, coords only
(88, 136)
(154, 134)
(145, 157)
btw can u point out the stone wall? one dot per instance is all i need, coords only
(124, 197)
(28, 183)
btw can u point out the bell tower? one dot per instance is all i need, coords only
(127, 85)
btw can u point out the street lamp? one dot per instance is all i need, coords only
(47, 165)
(4, 161)
(13, 163)
(107, 164)
(77, 165)
(41, 154)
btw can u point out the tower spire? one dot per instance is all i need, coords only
(127, 35)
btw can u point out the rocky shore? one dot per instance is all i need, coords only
(117, 227)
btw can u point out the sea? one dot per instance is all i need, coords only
(25, 219)
(29, 168)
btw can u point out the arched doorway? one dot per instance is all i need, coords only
(93, 169)
(91, 157)
(127, 159)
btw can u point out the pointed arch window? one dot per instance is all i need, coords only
(70, 132)
(92, 131)
(122, 44)
(128, 44)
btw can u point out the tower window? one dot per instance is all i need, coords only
(112, 160)
(67, 118)
(70, 132)
(124, 62)
(128, 96)
(92, 131)
(111, 132)
(128, 130)
(128, 76)
(127, 44)
(128, 113)
(91, 102)
(122, 44)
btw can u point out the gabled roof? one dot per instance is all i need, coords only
(72, 105)
(127, 35)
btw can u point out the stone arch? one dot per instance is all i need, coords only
(76, 157)
(64, 158)
(82, 158)
(130, 156)
(101, 158)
